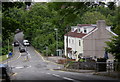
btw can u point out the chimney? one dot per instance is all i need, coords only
(101, 24)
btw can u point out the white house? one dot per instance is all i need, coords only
(87, 40)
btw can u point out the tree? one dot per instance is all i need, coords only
(93, 17)
(9, 22)
(113, 46)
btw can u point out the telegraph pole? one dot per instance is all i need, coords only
(47, 52)
(56, 40)
(67, 45)
(8, 51)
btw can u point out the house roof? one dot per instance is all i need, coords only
(75, 34)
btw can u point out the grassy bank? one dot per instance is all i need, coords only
(2, 58)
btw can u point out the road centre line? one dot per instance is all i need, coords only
(56, 75)
(48, 73)
(67, 78)
(28, 54)
(63, 77)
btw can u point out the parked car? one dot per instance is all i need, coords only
(16, 44)
(26, 43)
(5, 73)
(22, 49)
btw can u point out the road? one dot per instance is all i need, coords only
(38, 69)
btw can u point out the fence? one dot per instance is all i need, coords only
(97, 66)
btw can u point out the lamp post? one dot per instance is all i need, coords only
(56, 40)
(8, 51)
(67, 28)
(47, 52)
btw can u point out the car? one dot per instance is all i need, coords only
(22, 49)
(16, 44)
(5, 72)
(26, 43)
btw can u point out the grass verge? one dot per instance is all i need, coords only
(2, 58)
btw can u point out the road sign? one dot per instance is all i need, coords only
(10, 54)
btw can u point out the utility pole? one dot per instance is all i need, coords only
(67, 45)
(56, 40)
(47, 52)
(8, 45)
(8, 51)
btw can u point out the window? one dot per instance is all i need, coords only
(72, 41)
(79, 43)
(79, 29)
(69, 40)
(85, 30)
(72, 29)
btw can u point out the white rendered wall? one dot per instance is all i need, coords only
(74, 44)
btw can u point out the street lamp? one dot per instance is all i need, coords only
(47, 51)
(56, 40)
(67, 29)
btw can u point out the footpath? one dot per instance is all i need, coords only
(109, 74)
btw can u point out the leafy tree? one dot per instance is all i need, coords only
(113, 46)
(116, 22)
(93, 17)
(9, 24)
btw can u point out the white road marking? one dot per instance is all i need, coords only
(30, 66)
(29, 55)
(68, 78)
(48, 73)
(56, 75)
(19, 67)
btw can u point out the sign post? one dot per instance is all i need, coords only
(10, 54)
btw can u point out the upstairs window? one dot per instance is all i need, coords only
(72, 41)
(69, 40)
(85, 30)
(72, 29)
(79, 43)
(79, 30)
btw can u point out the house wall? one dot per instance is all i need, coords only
(73, 43)
(93, 44)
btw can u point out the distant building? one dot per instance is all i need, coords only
(87, 40)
